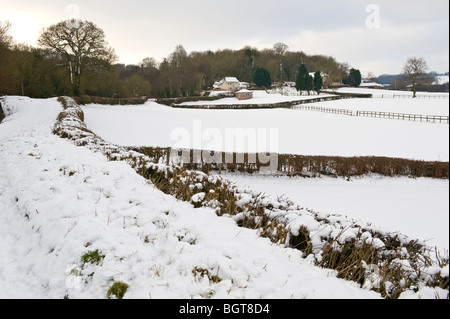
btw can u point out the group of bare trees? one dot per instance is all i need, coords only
(66, 51)
(74, 58)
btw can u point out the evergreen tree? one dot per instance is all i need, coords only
(309, 85)
(318, 82)
(354, 78)
(300, 81)
(262, 77)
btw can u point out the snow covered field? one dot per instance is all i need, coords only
(59, 202)
(299, 132)
(416, 207)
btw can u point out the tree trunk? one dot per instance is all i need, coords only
(77, 84)
(2, 115)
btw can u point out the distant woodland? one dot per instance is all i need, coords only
(73, 58)
(50, 70)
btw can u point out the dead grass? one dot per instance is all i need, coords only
(314, 166)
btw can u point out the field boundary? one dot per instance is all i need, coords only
(420, 96)
(299, 165)
(323, 109)
(405, 116)
(440, 119)
(288, 104)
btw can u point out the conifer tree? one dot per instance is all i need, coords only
(354, 78)
(300, 81)
(262, 77)
(309, 85)
(318, 82)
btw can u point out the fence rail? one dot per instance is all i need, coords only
(386, 115)
(420, 96)
(403, 116)
(323, 109)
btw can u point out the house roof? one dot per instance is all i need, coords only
(244, 91)
(371, 84)
(231, 79)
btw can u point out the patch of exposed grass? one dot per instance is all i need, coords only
(202, 272)
(92, 257)
(117, 290)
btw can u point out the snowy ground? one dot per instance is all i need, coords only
(377, 93)
(299, 132)
(58, 202)
(259, 97)
(416, 207)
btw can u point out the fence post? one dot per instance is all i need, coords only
(168, 156)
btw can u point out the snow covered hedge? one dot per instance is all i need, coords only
(389, 263)
(315, 166)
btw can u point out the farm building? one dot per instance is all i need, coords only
(244, 95)
(227, 84)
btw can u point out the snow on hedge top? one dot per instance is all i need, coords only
(259, 97)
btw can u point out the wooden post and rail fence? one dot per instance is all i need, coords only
(387, 115)
(407, 117)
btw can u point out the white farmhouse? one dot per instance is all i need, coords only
(228, 84)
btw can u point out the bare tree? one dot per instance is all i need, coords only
(178, 56)
(148, 63)
(415, 72)
(80, 44)
(5, 38)
(280, 50)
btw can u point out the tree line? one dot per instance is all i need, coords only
(73, 58)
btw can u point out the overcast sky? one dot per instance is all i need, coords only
(375, 35)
